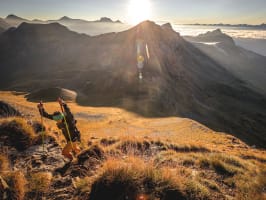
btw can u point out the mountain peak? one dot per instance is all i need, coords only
(167, 26)
(14, 17)
(65, 18)
(153, 30)
(216, 36)
(216, 32)
(147, 24)
(105, 19)
(42, 28)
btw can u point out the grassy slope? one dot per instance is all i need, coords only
(181, 154)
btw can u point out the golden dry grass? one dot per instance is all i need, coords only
(39, 182)
(178, 153)
(17, 185)
(19, 133)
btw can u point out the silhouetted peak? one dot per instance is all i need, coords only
(14, 17)
(150, 31)
(41, 28)
(216, 36)
(216, 32)
(151, 26)
(105, 19)
(167, 26)
(147, 23)
(147, 26)
(65, 18)
(51, 25)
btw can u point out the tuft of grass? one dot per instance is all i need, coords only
(252, 185)
(161, 145)
(188, 148)
(131, 178)
(108, 141)
(81, 184)
(167, 158)
(18, 132)
(210, 184)
(94, 153)
(222, 164)
(16, 182)
(39, 183)
(188, 162)
(223, 168)
(196, 190)
(134, 147)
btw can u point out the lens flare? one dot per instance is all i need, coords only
(138, 11)
(142, 197)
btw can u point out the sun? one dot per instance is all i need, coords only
(138, 11)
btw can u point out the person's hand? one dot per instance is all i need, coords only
(60, 101)
(40, 105)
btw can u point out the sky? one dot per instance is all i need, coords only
(175, 11)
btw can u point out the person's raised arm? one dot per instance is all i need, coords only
(64, 105)
(43, 112)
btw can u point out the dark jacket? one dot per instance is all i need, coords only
(71, 123)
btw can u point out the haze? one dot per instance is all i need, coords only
(176, 11)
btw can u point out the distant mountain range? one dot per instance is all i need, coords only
(246, 65)
(262, 26)
(78, 25)
(179, 79)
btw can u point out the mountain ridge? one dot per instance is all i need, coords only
(178, 78)
(246, 65)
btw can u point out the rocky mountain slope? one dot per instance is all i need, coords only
(179, 79)
(192, 163)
